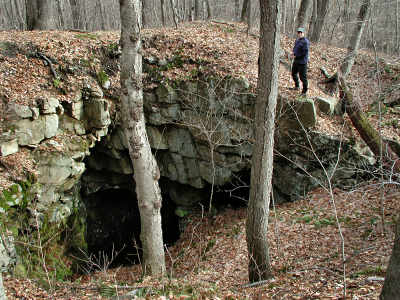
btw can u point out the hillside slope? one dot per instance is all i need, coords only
(210, 260)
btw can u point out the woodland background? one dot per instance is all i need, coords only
(330, 22)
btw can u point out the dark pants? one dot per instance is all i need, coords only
(300, 69)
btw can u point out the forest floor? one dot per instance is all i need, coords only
(309, 240)
(307, 250)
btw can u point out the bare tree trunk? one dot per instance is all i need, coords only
(397, 28)
(197, 9)
(237, 10)
(163, 12)
(284, 17)
(32, 13)
(313, 22)
(104, 16)
(175, 13)
(245, 9)
(249, 18)
(209, 10)
(146, 173)
(144, 13)
(322, 10)
(2, 291)
(391, 287)
(263, 151)
(302, 15)
(355, 38)
(78, 14)
(46, 15)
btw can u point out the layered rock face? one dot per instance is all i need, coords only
(201, 134)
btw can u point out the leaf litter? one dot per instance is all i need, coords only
(210, 260)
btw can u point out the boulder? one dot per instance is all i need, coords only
(328, 105)
(97, 114)
(31, 132)
(8, 147)
(48, 105)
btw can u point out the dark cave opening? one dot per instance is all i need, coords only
(113, 225)
(232, 195)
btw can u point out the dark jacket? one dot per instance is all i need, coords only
(300, 50)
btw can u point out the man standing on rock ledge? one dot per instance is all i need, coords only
(300, 56)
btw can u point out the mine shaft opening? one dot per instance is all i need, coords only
(113, 226)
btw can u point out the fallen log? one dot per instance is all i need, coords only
(371, 137)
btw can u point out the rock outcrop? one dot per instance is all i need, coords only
(201, 134)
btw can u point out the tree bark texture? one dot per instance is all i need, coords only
(355, 38)
(370, 136)
(31, 14)
(2, 290)
(209, 10)
(46, 15)
(391, 287)
(146, 172)
(302, 15)
(197, 9)
(264, 127)
(322, 10)
(244, 13)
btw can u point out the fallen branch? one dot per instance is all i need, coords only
(50, 64)
(257, 283)
(371, 137)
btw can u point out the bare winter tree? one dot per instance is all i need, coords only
(2, 291)
(320, 14)
(302, 15)
(354, 42)
(391, 287)
(46, 15)
(264, 127)
(245, 10)
(197, 9)
(146, 172)
(78, 14)
(355, 38)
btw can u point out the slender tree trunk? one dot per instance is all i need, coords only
(302, 15)
(197, 9)
(175, 13)
(391, 287)
(32, 13)
(163, 12)
(2, 290)
(313, 21)
(355, 38)
(263, 151)
(323, 8)
(249, 18)
(245, 9)
(284, 17)
(209, 10)
(397, 28)
(104, 16)
(237, 10)
(146, 173)
(144, 13)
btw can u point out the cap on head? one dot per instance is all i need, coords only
(300, 30)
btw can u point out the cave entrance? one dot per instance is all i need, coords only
(113, 225)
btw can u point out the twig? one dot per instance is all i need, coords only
(337, 268)
(220, 22)
(96, 288)
(254, 284)
(50, 64)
